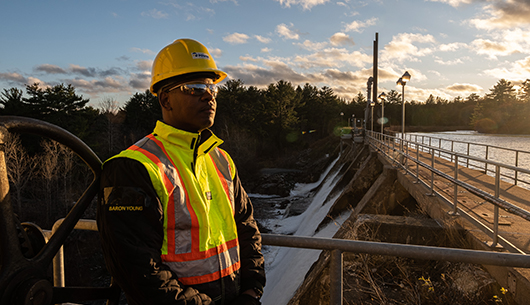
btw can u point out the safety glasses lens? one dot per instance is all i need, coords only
(197, 89)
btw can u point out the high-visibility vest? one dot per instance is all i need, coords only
(194, 183)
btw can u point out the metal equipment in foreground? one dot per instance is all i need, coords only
(23, 273)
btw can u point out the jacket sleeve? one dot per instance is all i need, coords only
(130, 222)
(252, 262)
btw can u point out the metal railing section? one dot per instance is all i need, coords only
(339, 246)
(481, 151)
(399, 152)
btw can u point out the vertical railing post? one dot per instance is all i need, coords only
(496, 208)
(417, 163)
(335, 281)
(516, 165)
(467, 155)
(452, 146)
(486, 163)
(455, 191)
(432, 172)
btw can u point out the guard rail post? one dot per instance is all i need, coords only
(336, 277)
(496, 207)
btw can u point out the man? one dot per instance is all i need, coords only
(176, 225)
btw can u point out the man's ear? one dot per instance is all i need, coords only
(163, 99)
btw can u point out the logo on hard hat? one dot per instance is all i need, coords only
(200, 55)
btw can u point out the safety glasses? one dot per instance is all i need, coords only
(196, 89)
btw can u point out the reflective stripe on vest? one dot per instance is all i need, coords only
(200, 239)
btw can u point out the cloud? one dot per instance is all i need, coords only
(518, 71)
(448, 62)
(93, 72)
(305, 4)
(144, 51)
(333, 58)
(312, 46)
(284, 31)
(341, 39)
(236, 38)
(49, 69)
(266, 50)
(451, 47)
(13, 78)
(403, 47)
(454, 3)
(492, 48)
(154, 13)
(215, 52)
(144, 65)
(358, 26)
(464, 88)
(140, 81)
(504, 14)
(262, 39)
(190, 10)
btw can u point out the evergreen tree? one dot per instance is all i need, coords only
(142, 111)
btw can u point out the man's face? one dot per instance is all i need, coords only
(188, 112)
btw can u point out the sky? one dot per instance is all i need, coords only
(105, 48)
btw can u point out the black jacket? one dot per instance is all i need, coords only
(132, 240)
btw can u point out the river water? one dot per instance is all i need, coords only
(513, 150)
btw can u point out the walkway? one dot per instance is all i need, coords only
(512, 228)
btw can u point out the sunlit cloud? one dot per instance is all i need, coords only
(340, 39)
(358, 26)
(448, 62)
(451, 47)
(215, 52)
(312, 46)
(464, 88)
(403, 47)
(333, 58)
(492, 49)
(454, 3)
(519, 70)
(236, 38)
(305, 4)
(13, 78)
(266, 50)
(504, 14)
(284, 31)
(262, 39)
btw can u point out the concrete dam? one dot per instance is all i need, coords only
(465, 237)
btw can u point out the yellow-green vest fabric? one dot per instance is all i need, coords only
(194, 183)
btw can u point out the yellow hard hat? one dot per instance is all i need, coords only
(180, 58)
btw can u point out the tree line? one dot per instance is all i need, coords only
(258, 125)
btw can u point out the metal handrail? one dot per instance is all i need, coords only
(387, 144)
(467, 147)
(338, 246)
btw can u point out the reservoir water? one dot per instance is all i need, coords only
(513, 150)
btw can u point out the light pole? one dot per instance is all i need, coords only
(381, 97)
(372, 104)
(402, 81)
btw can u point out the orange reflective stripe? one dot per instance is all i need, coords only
(171, 220)
(203, 254)
(196, 255)
(194, 280)
(169, 186)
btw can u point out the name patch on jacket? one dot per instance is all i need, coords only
(125, 199)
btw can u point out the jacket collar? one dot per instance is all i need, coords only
(206, 139)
